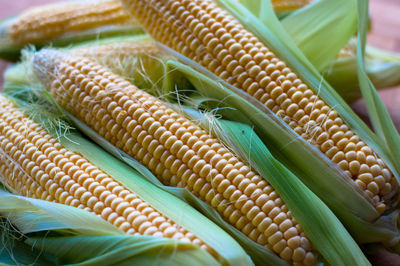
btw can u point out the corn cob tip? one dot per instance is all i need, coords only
(45, 62)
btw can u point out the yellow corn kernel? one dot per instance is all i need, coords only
(175, 149)
(34, 164)
(288, 5)
(210, 36)
(46, 23)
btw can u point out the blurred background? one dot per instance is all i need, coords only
(385, 34)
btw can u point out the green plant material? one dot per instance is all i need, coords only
(313, 25)
(382, 68)
(14, 251)
(380, 118)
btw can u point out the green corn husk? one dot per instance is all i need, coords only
(323, 227)
(14, 250)
(10, 47)
(335, 189)
(382, 68)
(311, 27)
(63, 231)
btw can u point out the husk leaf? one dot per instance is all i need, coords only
(311, 26)
(380, 118)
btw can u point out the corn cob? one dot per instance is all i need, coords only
(208, 35)
(176, 150)
(109, 53)
(128, 59)
(347, 51)
(140, 61)
(49, 22)
(34, 164)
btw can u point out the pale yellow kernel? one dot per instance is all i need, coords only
(370, 160)
(386, 189)
(343, 165)
(375, 169)
(354, 167)
(294, 242)
(361, 184)
(272, 228)
(298, 254)
(373, 188)
(279, 246)
(309, 259)
(386, 174)
(380, 181)
(381, 208)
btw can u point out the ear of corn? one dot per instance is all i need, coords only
(36, 165)
(137, 59)
(208, 35)
(63, 23)
(177, 151)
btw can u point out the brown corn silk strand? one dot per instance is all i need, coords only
(34, 164)
(208, 35)
(176, 150)
(46, 23)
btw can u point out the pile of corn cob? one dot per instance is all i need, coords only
(187, 132)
